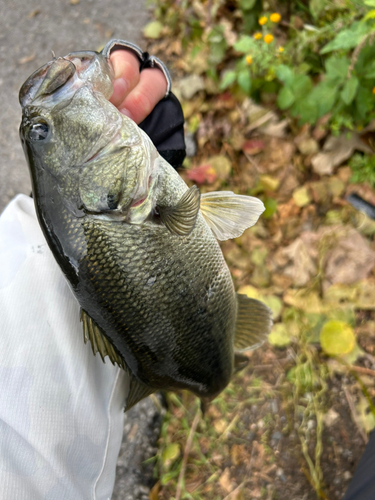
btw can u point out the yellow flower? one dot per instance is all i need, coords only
(249, 59)
(268, 38)
(263, 20)
(258, 36)
(281, 49)
(373, 90)
(275, 17)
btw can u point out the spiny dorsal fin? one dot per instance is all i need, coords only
(229, 214)
(99, 342)
(181, 218)
(137, 391)
(254, 323)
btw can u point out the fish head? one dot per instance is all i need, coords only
(66, 116)
(71, 130)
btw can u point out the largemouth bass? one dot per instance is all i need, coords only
(138, 247)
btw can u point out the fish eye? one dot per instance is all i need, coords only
(38, 131)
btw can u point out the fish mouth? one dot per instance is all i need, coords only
(70, 72)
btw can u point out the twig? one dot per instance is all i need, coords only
(189, 443)
(363, 370)
(370, 38)
(354, 415)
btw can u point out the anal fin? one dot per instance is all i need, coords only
(99, 342)
(180, 219)
(137, 391)
(254, 323)
(229, 214)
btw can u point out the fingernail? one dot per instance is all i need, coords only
(126, 112)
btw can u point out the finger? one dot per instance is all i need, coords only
(143, 98)
(126, 70)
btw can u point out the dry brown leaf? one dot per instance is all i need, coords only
(302, 255)
(336, 150)
(349, 261)
(225, 481)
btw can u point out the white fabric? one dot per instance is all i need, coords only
(61, 408)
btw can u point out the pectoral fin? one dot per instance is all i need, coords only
(254, 323)
(229, 214)
(180, 219)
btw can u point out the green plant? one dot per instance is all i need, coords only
(316, 58)
(363, 169)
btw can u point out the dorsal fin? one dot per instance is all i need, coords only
(99, 342)
(229, 214)
(254, 323)
(180, 219)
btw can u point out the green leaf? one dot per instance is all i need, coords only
(245, 44)
(347, 39)
(301, 85)
(369, 15)
(244, 81)
(285, 98)
(153, 29)
(336, 69)
(271, 207)
(229, 77)
(285, 74)
(171, 452)
(350, 89)
(364, 101)
(324, 95)
(247, 4)
(337, 338)
(316, 7)
(370, 3)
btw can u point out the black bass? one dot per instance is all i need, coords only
(138, 247)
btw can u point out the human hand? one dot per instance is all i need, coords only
(135, 93)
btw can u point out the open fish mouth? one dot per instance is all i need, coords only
(68, 74)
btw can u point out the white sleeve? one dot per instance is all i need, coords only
(61, 408)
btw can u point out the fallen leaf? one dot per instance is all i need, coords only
(220, 425)
(153, 29)
(330, 418)
(201, 174)
(269, 183)
(336, 150)
(154, 492)
(301, 196)
(171, 453)
(337, 338)
(279, 336)
(225, 481)
(190, 85)
(253, 146)
(307, 146)
(349, 261)
(365, 415)
(301, 256)
(221, 165)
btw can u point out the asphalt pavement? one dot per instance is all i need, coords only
(29, 31)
